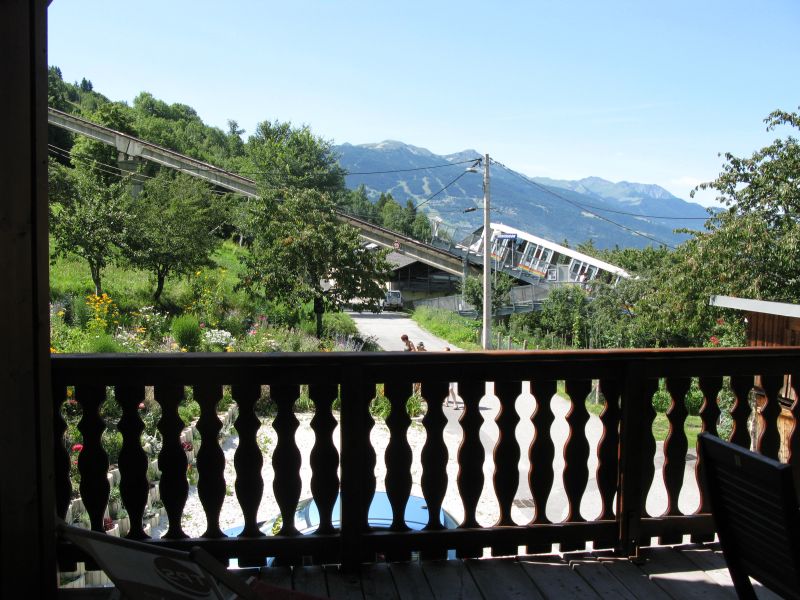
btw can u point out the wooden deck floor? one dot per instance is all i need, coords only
(679, 572)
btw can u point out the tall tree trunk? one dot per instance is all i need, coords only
(159, 285)
(98, 288)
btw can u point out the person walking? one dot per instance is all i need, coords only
(451, 390)
(409, 345)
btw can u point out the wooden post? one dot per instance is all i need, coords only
(27, 549)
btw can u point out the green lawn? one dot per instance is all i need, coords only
(131, 288)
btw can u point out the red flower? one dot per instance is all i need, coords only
(72, 401)
(141, 405)
(720, 321)
(714, 340)
(77, 447)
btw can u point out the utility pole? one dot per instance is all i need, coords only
(486, 337)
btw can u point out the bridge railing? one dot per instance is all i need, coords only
(343, 458)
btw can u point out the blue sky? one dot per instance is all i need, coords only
(638, 91)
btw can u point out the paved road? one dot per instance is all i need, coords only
(386, 328)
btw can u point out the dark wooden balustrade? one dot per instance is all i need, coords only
(625, 453)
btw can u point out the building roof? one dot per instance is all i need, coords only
(782, 309)
(398, 261)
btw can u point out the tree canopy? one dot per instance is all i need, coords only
(303, 253)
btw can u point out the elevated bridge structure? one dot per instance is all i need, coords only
(131, 149)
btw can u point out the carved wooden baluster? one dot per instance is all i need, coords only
(740, 412)
(540, 455)
(434, 459)
(210, 458)
(358, 464)
(709, 415)
(470, 452)
(434, 452)
(506, 457)
(709, 411)
(649, 387)
(398, 457)
(398, 454)
(608, 448)
(247, 460)
(576, 448)
(676, 444)
(286, 457)
(675, 447)
(93, 460)
(769, 440)
(133, 484)
(324, 458)
(63, 485)
(471, 456)
(608, 456)
(172, 462)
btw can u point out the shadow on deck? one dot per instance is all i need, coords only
(680, 572)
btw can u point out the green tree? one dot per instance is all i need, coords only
(501, 285)
(421, 228)
(303, 253)
(171, 230)
(90, 221)
(565, 313)
(286, 157)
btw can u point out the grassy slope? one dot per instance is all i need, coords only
(131, 288)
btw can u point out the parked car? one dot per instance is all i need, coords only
(306, 518)
(393, 300)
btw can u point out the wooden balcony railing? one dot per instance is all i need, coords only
(625, 452)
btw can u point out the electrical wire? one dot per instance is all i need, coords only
(432, 196)
(581, 206)
(463, 162)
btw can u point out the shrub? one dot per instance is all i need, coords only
(77, 312)
(101, 343)
(187, 333)
(207, 296)
(112, 444)
(189, 411)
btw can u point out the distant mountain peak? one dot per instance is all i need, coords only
(395, 145)
(413, 173)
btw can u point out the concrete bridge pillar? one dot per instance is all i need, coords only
(129, 165)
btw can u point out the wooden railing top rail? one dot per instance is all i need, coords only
(151, 369)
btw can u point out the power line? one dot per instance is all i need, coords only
(579, 205)
(432, 196)
(463, 162)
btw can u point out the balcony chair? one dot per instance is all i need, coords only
(757, 516)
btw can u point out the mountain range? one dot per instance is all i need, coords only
(609, 214)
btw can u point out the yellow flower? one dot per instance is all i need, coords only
(184, 350)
